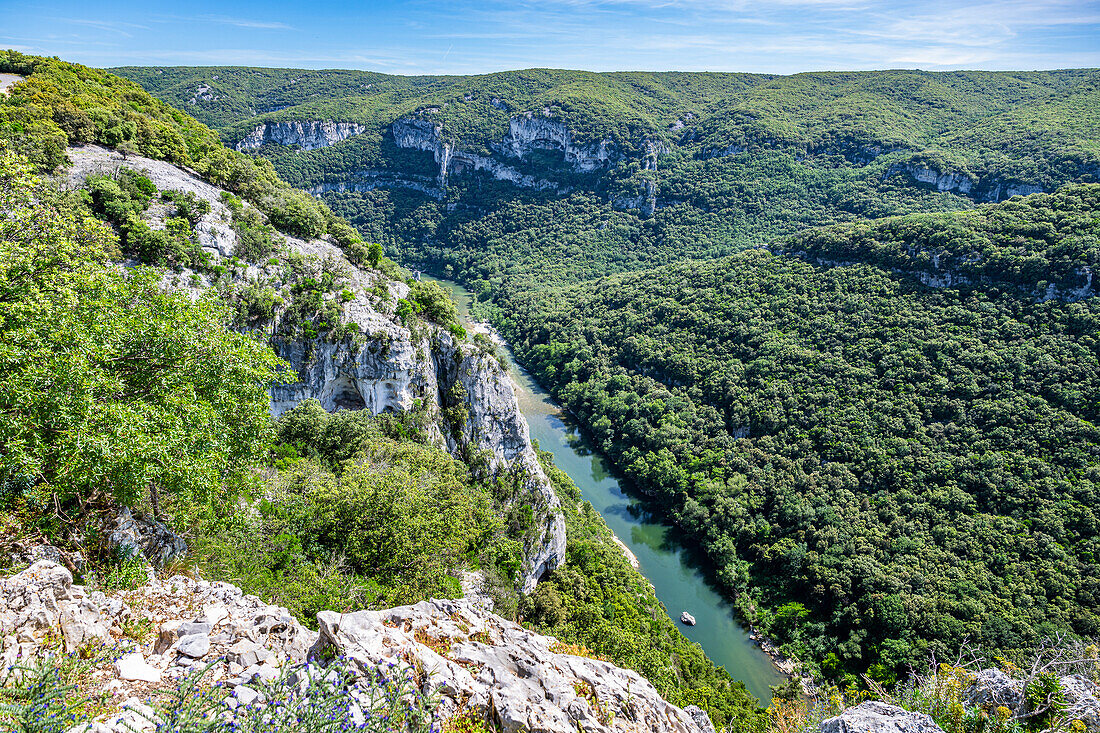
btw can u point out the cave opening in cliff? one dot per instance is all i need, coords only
(346, 395)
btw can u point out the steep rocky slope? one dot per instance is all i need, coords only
(308, 135)
(469, 399)
(473, 663)
(144, 644)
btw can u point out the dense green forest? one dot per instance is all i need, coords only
(120, 392)
(875, 468)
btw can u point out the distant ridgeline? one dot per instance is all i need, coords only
(614, 172)
(882, 434)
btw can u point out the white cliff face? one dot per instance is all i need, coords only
(526, 133)
(530, 132)
(942, 181)
(503, 674)
(495, 423)
(417, 134)
(961, 183)
(306, 134)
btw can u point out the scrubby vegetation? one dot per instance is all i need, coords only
(363, 513)
(47, 696)
(60, 104)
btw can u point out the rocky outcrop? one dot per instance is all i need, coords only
(526, 134)
(878, 717)
(529, 132)
(194, 621)
(214, 232)
(495, 424)
(419, 134)
(306, 134)
(145, 537)
(1082, 698)
(482, 665)
(992, 688)
(457, 654)
(7, 81)
(991, 190)
(955, 182)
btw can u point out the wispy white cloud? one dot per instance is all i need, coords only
(246, 23)
(117, 27)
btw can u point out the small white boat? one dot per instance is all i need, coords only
(687, 618)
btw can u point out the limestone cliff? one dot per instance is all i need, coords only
(529, 132)
(390, 365)
(419, 134)
(306, 134)
(965, 184)
(526, 133)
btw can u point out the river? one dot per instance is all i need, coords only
(679, 586)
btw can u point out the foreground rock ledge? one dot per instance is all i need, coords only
(481, 663)
(476, 662)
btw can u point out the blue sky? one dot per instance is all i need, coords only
(473, 36)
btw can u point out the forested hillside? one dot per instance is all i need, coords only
(876, 468)
(146, 387)
(646, 168)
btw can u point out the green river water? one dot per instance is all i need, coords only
(679, 586)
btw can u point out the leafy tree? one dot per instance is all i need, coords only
(115, 389)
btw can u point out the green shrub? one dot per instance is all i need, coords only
(109, 201)
(188, 205)
(297, 213)
(137, 185)
(254, 244)
(433, 302)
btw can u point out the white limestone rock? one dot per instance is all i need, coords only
(878, 717)
(1082, 697)
(480, 662)
(992, 688)
(306, 134)
(134, 668)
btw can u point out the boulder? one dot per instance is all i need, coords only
(133, 667)
(1082, 700)
(878, 717)
(992, 688)
(83, 623)
(195, 646)
(247, 653)
(138, 535)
